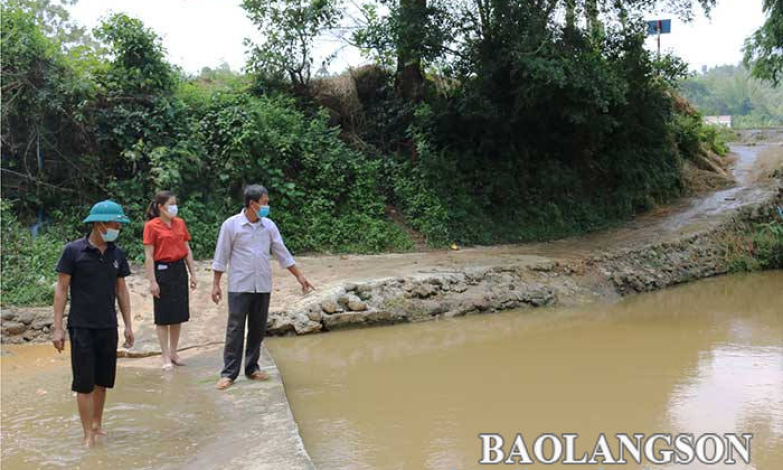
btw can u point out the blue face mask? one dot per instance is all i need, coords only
(263, 211)
(110, 235)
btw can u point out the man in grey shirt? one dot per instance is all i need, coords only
(246, 242)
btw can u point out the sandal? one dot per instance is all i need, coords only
(224, 383)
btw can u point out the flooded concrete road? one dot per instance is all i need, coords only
(705, 357)
(155, 419)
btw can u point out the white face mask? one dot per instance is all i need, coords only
(173, 210)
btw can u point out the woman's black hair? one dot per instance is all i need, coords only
(160, 199)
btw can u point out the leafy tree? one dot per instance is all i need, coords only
(289, 28)
(42, 126)
(141, 125)
(55, 21)
(418, 33)
(764, 48)
(137, 58)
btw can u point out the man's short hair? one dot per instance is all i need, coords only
(254, 192)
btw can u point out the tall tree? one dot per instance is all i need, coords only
(410, 44)
(410, 36)
(570, 26)
(289, 28)
(764, 49)
(591, 15)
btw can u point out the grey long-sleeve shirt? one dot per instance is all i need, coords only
(246, 249)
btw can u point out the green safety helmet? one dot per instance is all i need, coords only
(107, 211)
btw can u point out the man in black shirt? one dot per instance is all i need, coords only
(94, 269)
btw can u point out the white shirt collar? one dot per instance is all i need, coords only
(245, 220)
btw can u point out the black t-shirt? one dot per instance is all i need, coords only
(93, 278)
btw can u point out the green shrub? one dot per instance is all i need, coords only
(768, 245)
(759, 247)
(28, 263)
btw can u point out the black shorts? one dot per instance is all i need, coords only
(93, 358)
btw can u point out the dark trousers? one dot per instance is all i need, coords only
(254, 307)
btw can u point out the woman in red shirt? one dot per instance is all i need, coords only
(167, 250)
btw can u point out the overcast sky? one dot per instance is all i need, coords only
(205, 33)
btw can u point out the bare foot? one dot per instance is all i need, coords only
(98, 430)
(165, 363)
(89, 440)
(177, 361)
(258, 375)
(224, 383)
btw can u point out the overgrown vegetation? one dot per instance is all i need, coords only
(28, 263)
(759, 247)
(536, 133)
(504, 127)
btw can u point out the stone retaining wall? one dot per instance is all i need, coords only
(699, 256)
(26, 325)
(478, 290)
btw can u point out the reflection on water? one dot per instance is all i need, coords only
(750, 381)
(706, 357)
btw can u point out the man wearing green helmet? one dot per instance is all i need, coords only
(93, 268)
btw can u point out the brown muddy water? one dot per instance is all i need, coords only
(706, 357)
(702, 358)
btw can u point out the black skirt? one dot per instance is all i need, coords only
(172, 306)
